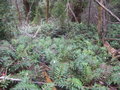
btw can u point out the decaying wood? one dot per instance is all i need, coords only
(112, 51)
(48, 80)
(45, 74)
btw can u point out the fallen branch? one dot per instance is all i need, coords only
(116, 57)
(11, 79)
(107, 10)
(18, 80)
(112, 39)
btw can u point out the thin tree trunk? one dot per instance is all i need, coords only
(47, 10)
(90, 2)
(19, 13)
(99, 25)
(104, 24)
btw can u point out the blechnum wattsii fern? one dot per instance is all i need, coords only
(72, 62)
(26, 85)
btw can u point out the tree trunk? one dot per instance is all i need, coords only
(27, 9)
(104, 24)
(19, 13)
(99, 25)
(47, 10)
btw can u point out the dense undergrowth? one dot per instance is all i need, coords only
(113, 32)
(72, 56)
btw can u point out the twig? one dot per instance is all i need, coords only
(18, 80)
(36, 32)
(107, 10)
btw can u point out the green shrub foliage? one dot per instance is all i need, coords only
(75, 61)
(68, 52)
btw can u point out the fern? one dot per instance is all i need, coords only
(74, 84)
(73, 60)
(48, 86)
(26, 85)
(99, 87)
(115, 76)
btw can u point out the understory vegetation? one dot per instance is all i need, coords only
(56, 55)
(75, 61)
